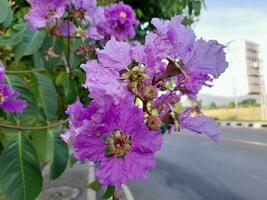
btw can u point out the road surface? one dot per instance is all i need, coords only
(191, 167)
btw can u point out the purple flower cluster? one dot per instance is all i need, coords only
(45, 12)
(117, 20)
(172, 64)
(8, 98)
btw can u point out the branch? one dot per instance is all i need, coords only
(69, 43)
(26, 71)
(3, 125)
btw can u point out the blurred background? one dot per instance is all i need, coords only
(191, 167)
(239, 94)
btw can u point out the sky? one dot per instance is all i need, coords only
(234, 21)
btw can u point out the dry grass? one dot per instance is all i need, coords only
(247, 114)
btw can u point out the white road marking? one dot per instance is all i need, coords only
(261, 144)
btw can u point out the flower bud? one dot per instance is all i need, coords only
(150, 92)
(55, 31)
(153, 122)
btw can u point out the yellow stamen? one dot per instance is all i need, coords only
(123, 15)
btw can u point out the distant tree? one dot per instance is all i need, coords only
(213, 105)
(248, 103)
(231, 104)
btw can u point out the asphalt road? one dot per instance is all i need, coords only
(191, 167)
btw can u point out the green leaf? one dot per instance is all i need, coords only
(95, 185)
(72, 160)
(31, 42)
(69, 90)
(3, 10)
(38, 59)
(16, 36)
(35, 42)
(9, 18)
(20, 174)
(21, 3)
(42, 144)
(25, 94)
(60, 78)
(109, 192)
(60, 155)
(47, 95)
(1, 148)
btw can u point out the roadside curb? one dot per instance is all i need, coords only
(127, 192)
(243, 124)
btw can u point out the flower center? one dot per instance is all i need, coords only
(2, 98)
(116, 30)
(123, 15)
(51, 13)
(118, 144)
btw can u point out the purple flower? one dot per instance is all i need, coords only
(45, 12)
(161, 103)
(192, 85)
(8, 98)
(103, 77)
(116, 55)
(85, 6)
(200, 124)
(173, 32)
(120, 142)
(101, 80)
(89, 14)
(9, 101)
(200, 60)
(67, 28)
(78, 114)
(119, 21)
(206, 57)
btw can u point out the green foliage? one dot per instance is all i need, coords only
(109, 192)
(47, 96)
(60, 155)
(213, 105)
(4, 11)
(231, 104)
(95, 185)
(248, 103)
(25, 94)
(148, 9)
(20, 174)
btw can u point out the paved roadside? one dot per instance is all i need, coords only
(191, 167)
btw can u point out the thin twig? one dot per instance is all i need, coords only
(26, 71)
(3, 125)
(69, 43)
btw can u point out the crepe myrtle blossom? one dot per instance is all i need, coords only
(88, 13)
(45, 12)
(198, 59)
(131, 70)
(120, 21)
(67, 28)
(77, 114)
(8, 97)
(119, 142)
(199, 123)
(163, 101)
(103, 76)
